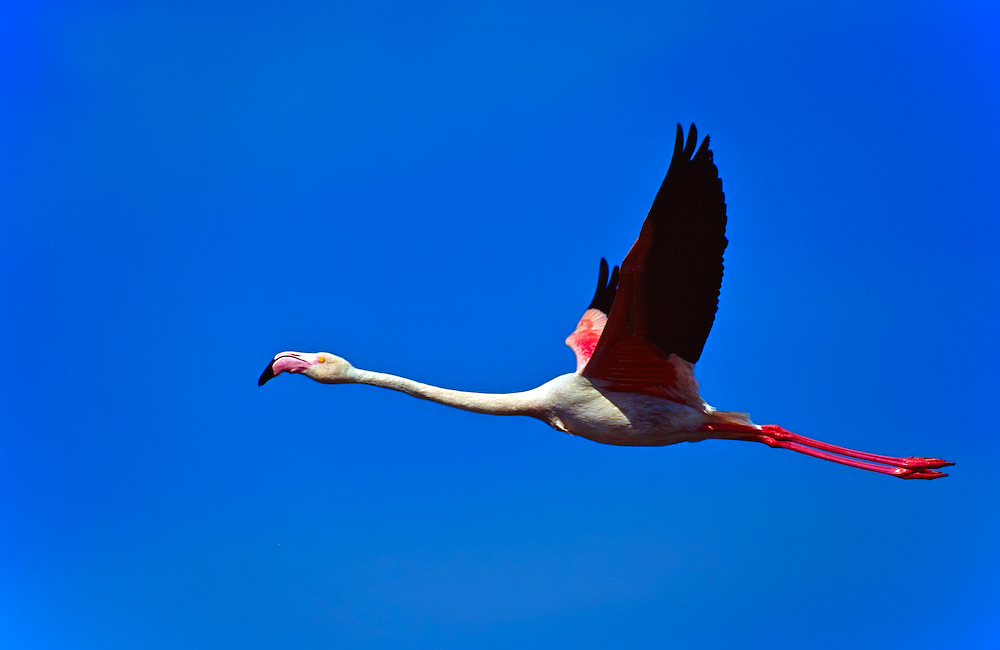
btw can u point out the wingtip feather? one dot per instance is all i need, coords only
(604, 294)
(692, 141)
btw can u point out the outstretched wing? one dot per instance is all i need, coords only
(668, 291)
(588, 331)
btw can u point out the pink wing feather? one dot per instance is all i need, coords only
(640, 366)
(588, 332)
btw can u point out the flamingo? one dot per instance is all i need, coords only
(637, 342)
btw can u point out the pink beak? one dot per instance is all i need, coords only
(287, 362)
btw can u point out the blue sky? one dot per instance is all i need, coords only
(188, 188)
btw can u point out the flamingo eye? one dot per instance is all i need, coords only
(321, 359)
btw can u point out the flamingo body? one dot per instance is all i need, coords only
(637, 342)
(574, 404)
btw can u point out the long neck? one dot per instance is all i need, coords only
(525, 403)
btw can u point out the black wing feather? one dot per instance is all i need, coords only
(604, 296)
(682, 269)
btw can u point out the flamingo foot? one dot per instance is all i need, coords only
(903, 472)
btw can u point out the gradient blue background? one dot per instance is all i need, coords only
(188, 188)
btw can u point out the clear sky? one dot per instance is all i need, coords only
(187, 188)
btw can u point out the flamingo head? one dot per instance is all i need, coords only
(319, 366)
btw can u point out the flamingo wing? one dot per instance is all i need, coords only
(668, 291)
(588, 331)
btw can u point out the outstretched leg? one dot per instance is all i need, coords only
(775, 436)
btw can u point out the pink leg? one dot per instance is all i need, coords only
(911, 462)
(775, 436)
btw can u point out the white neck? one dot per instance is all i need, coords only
(525, 403)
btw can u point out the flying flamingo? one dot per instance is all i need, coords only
(637, 343)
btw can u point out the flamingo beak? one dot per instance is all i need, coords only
(267, 374)
(285, 362)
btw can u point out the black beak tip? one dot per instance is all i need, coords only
(267, 374)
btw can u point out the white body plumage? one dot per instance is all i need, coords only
(574, 404)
